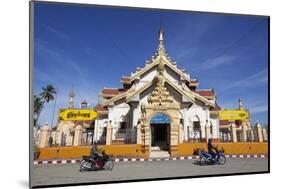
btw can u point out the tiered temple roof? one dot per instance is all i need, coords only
(190, 91)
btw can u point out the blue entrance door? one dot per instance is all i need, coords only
(160, 130)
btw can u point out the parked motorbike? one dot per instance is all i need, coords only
(90, 163)
(207, 159)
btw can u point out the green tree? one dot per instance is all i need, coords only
(46, 95)
(38, 105)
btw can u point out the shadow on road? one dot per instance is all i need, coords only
(197, 162)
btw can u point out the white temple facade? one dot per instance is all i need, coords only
(162, 100)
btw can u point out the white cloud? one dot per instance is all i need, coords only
(250, 81)
(259, 109)
(219, 61)
(188, 52)
(57, 33)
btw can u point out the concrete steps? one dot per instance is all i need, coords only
(156, 152)
(154, 148)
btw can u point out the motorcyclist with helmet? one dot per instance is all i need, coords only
(211, 148)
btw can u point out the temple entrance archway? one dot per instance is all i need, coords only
(160, 131)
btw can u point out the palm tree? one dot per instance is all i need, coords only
(46, 95)
(38, 105)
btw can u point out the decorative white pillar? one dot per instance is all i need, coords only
(109, 133)
(259, 132)
(96, 130)
(180, 134)
(77, 135)
(45, 133)
(185, 127)
(252, 135)
(208, 131)
(233, 133)
(264, 134)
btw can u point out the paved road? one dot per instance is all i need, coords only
(69, 173)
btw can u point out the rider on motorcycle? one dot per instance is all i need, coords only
(211, 148)
(95, 151)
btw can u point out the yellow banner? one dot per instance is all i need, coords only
(233, 115)
(77, 115)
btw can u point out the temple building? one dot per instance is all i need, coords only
(159, 106)
(158, 112)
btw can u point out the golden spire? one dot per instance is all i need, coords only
(161, 48)
(161, 34)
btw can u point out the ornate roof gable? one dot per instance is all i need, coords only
(161, 55)
(160, 94)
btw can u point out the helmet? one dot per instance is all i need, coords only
(210, 140)
(95, 142)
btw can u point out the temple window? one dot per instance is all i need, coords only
(196, 125)
(122, 124)
(181, 121)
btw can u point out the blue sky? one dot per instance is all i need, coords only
(88, 48)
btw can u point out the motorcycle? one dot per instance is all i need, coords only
(90, 163)
(207, 158)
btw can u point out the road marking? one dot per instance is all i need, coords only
(142, 159)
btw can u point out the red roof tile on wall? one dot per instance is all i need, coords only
(112, 91)
(126, 79)
(205, 92)
(99, 107)
(194, 81)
